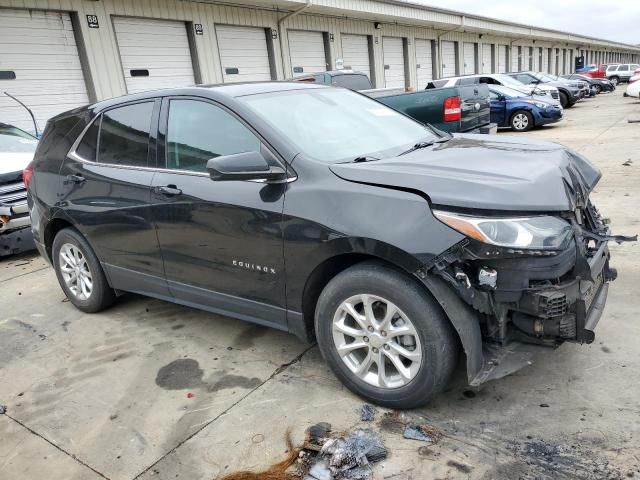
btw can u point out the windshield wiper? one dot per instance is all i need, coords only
(420, 145)
(364, 158)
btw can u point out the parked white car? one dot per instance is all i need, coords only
(633, 90)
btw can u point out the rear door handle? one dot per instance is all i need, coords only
(168, 190)
(76, 178)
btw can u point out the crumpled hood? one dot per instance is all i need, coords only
(486, 172)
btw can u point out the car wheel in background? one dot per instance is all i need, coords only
(521, 121)
(564, 100)
(384, 336)
(79, 272)
(615, 80)
(597, 88)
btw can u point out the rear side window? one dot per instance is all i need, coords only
(198, 131)
(623, 68)
(88, 147)
(468, 81)
(124, 135)
(352, 82)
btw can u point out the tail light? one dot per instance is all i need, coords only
(452, 109)
(27, 174)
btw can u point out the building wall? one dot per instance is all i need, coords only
(103, 69)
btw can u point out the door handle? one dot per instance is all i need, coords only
(168, 190)
(76, 178)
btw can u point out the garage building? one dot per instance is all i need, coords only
(56, 55)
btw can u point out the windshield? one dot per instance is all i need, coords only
(508, 91)
(545, 77)
(509, 81)
(14, 140)
(334, 124)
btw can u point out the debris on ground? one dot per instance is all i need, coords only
(277, 471)
(393, 422)
(627, 163)
(351, 456)
(316, 433)
(3, 409)
(367, 412)
(423, 433)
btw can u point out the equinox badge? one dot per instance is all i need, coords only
(253, 266)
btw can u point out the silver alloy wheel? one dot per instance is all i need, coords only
(75, 271)
(520, 121)
(377, 341)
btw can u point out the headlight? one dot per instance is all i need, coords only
(536, 233)
(541, 105)
(537, 91)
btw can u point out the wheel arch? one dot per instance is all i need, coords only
(463, 318)
(51, 230)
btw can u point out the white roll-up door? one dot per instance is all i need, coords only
(307, 52)
(515, 56)
(502, 59)
(39, 65)
(424, 62)
(154, 53)
(244, 56)
(448, 59)
(393, 58)
(355, 53)
(486, 58)
(469, 58)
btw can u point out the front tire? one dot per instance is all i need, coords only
(521, 121)
(597, 88)
(79, 272)
(615, 81)
(384, 336)
(564, 100)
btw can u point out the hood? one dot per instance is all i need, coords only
(486, 172)
(14, 161)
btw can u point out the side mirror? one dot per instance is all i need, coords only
(244, 166)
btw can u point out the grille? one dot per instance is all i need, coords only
(555, 95)
(13, 193)
(553, 304)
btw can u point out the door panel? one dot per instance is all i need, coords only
(355, 53)
(307, 52)
(469, 58)
(244, 55)
(448, 59)
(486, 59)
(108, 194)
(221, 241)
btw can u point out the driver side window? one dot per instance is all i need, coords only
(198, 131)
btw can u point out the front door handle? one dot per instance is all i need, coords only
(76, 178)
(168, 190)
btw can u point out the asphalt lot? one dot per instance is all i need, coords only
(107, 395)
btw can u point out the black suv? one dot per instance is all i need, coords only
(319, 211)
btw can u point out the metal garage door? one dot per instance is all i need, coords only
(355, 53)
(307, 52)
(469, 58)
(448, 59)
(502, 59)
(424, 62)
(244, 56)
(39, 58)
(393, 58)
(486, 59)
(154, 53)
(515, 57)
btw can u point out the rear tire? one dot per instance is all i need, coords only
(597, 88)
(615, 80)
(417, 363)
(521, 121)
(79, 272)
(564, 100)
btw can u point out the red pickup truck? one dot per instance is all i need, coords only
(596, 71)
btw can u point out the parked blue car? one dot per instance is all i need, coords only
(519, 111)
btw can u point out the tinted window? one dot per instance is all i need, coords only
(199, 131)
(468, 81)
(124, 135)
(623, 68)
(635, 67)
(88, 147)
(352, 82)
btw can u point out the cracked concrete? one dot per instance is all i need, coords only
(151, 390)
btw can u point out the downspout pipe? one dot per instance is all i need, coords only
(280, 30)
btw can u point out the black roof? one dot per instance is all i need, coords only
(229, 90)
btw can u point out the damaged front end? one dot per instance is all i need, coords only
(535, 281)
